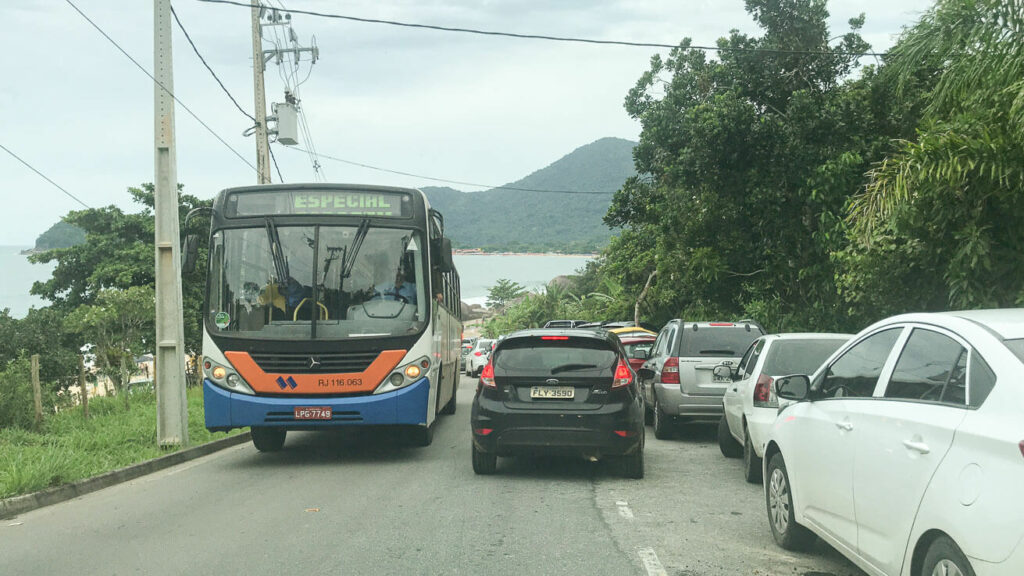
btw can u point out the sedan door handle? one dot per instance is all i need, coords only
(917, 446)
(844, 425)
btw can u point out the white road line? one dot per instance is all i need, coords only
(624, 510)
(651, 562)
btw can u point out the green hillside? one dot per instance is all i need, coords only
(60, 235)
(515, 220)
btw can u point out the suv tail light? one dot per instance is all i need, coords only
(670, 371)
(622, 376)
(763, 395)
(487, 376)
(478, 353)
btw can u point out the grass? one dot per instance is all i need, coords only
(71, 448)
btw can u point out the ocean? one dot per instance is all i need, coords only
(477, 273)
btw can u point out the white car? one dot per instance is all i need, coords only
(905, 450)
(478, 357)
(750, 402)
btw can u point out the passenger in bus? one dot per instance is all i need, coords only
(399, 290)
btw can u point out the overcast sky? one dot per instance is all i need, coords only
(462, 107)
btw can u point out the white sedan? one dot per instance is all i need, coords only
(905, 450)
(750, 402)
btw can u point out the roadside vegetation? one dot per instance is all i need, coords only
(69, 447)
(812, 189)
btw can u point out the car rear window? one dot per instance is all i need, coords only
(787, 357)
(716, 340)
(645, 345)
(536, 357)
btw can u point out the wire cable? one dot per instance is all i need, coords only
(276, 167)
(546, 37)
(447, 181)
(160, 84)
(45, 177)
(203, 60)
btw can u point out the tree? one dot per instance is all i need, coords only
(121, 326)
(504, 292)
(118, 253)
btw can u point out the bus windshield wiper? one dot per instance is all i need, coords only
(280, 262)
(364, 228)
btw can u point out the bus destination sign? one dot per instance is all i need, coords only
(325, 202)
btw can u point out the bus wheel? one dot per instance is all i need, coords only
(422, 435)
(449, 408)
(268, 439)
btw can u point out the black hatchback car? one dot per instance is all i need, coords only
(561, 392)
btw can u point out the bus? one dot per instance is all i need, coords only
(329, 305)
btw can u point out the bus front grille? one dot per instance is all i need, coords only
(343, 363)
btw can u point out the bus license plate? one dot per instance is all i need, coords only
(312, 412)
(562, 392)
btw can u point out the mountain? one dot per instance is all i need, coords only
(566, 215)
(60, 235)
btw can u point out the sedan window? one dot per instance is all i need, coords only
(932, 367)
(982, 380)
(856, 372)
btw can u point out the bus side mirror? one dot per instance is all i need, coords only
(189, 254)
(443, 255)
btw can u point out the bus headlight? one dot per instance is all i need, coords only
(225, 377)
(219, 373)
(412, 371)
(404, 375)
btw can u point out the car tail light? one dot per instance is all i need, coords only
(622, 375)
(482, 431)
(763, 395)
(478, 353)
(487, 376)
(554, 337)
(670, 371)
(721, 324)
(624, 433)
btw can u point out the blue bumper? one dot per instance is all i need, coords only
(226, 410)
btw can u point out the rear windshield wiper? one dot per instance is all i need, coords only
(571, 367)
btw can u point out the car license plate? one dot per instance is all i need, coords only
(559, 392)
(312, 412)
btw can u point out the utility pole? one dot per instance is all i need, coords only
(262, 143)
(169, 360)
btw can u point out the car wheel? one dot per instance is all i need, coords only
(751, 462)
(726, 443)
(267, 439)
(422, 435)
(633, 465)
(944, 558)
(660, 421)
(779, 501)
(484, 463)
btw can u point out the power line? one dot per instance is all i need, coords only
(447, 181)
(546, 37)
(276, 167)
(158, 83)
(203, 60)
(45, 177)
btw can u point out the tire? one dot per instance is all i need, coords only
(633, 465)
(779, 503)
(422, 435)
(726, 443)
(484, 463)
(944, 557)
(267, 439)
(648, 414)
(751, 462)
(449, 408)
(660, 421)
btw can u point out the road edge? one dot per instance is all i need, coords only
(15, 505)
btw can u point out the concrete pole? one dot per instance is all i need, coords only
(37, 391)
(262, 144)
(171, 405)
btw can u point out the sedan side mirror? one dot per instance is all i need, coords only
(796, 387)
(641, 353)
(723, 372)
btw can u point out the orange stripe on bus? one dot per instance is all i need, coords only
(312, 384)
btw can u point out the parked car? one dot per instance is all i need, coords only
(633, 345)
(563, 323)
(905, 450)
(630, 331)
(563, 392)
(678, 380)
(750, 403)
(476, 359)
(467, 347)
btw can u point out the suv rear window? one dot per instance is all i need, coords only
(536, 357)
(787, 357)
(716, 340)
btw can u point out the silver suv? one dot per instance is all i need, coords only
(678, 377)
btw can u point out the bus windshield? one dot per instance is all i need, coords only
(317, 281)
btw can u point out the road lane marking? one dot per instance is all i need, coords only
(624, 510)
(651, 563)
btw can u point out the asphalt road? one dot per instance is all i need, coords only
(358, 503)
